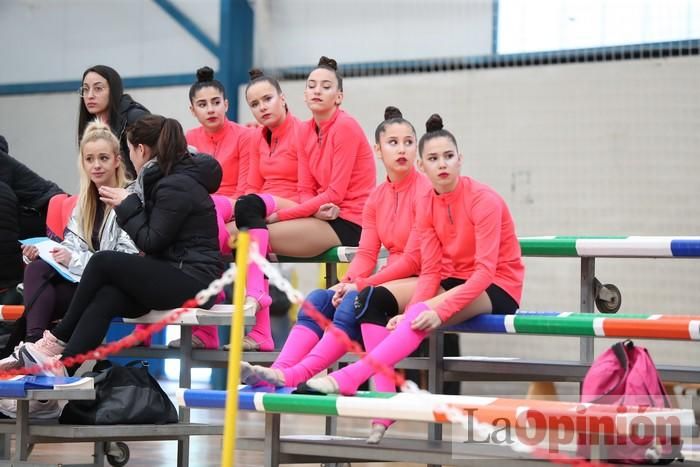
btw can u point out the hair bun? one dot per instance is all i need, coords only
(328, 62)
(392, 112)
(255, 73)
(205, 74)
(434, 123)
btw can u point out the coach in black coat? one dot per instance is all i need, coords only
(24, 198)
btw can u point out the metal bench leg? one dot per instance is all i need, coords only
(436, 353)
(5, 445)
(271, 454)
(183, 444)
(100, 453)
(331, 275)
(587, 304)
(22, 431)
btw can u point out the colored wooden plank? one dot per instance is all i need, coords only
(300, 403)
(664, 329)
(11, 312)
(686, 247)
(633, 247)
(553, 325)
(548, 246)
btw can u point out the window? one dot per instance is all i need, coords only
(545, 25)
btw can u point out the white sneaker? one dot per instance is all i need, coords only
(31, 355)
(42, 410)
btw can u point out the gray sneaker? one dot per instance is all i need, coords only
(41, 410)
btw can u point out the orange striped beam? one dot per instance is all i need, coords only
(11, 312)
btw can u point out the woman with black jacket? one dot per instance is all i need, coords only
(171, 218)
(102, 96)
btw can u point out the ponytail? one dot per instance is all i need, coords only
(163, 135)
(171, 146)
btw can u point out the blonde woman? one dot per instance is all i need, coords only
(92, 227)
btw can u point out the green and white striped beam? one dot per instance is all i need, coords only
(558, 246)
(611, 247)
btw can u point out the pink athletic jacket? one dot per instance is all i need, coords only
(336, 165)
(387, 220)
(274, 165)
(472, 227)
(231, 147)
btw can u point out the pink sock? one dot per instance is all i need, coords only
(209, 335)
(299, 342)
(328, 350)
(224, 211)
(270, 205)
(372, 336)
(398, 345)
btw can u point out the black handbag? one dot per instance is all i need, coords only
(123, 395)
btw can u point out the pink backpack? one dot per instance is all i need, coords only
(625, 375)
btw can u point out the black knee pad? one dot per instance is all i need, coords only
(250, 212)
(375, 305)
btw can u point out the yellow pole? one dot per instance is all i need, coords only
(234, 353)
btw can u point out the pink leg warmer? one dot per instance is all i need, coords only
(400, 343)
(209, 335)
(224, 212)
(300, 341)
(262, 329)
(328, 350)
(270, 205)
(373, 335)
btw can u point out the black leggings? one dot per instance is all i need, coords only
(120, 284)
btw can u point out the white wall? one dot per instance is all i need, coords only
(291, 33)
(57, 41)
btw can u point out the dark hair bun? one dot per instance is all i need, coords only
(328, 63)
(205, 74)
(434, 123)
(392, 112)
(255, 73)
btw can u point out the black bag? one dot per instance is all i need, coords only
(123, 395)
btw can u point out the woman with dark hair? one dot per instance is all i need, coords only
(336, 173)
(226, 141)
(465, 224)
(387, 221)
(273, 177)
(229, 143)
(171, 219)
(102, 96)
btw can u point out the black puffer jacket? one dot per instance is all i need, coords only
(129, 112)
(24, 198)
(178, 222)
(10, 255)
(32, 191)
